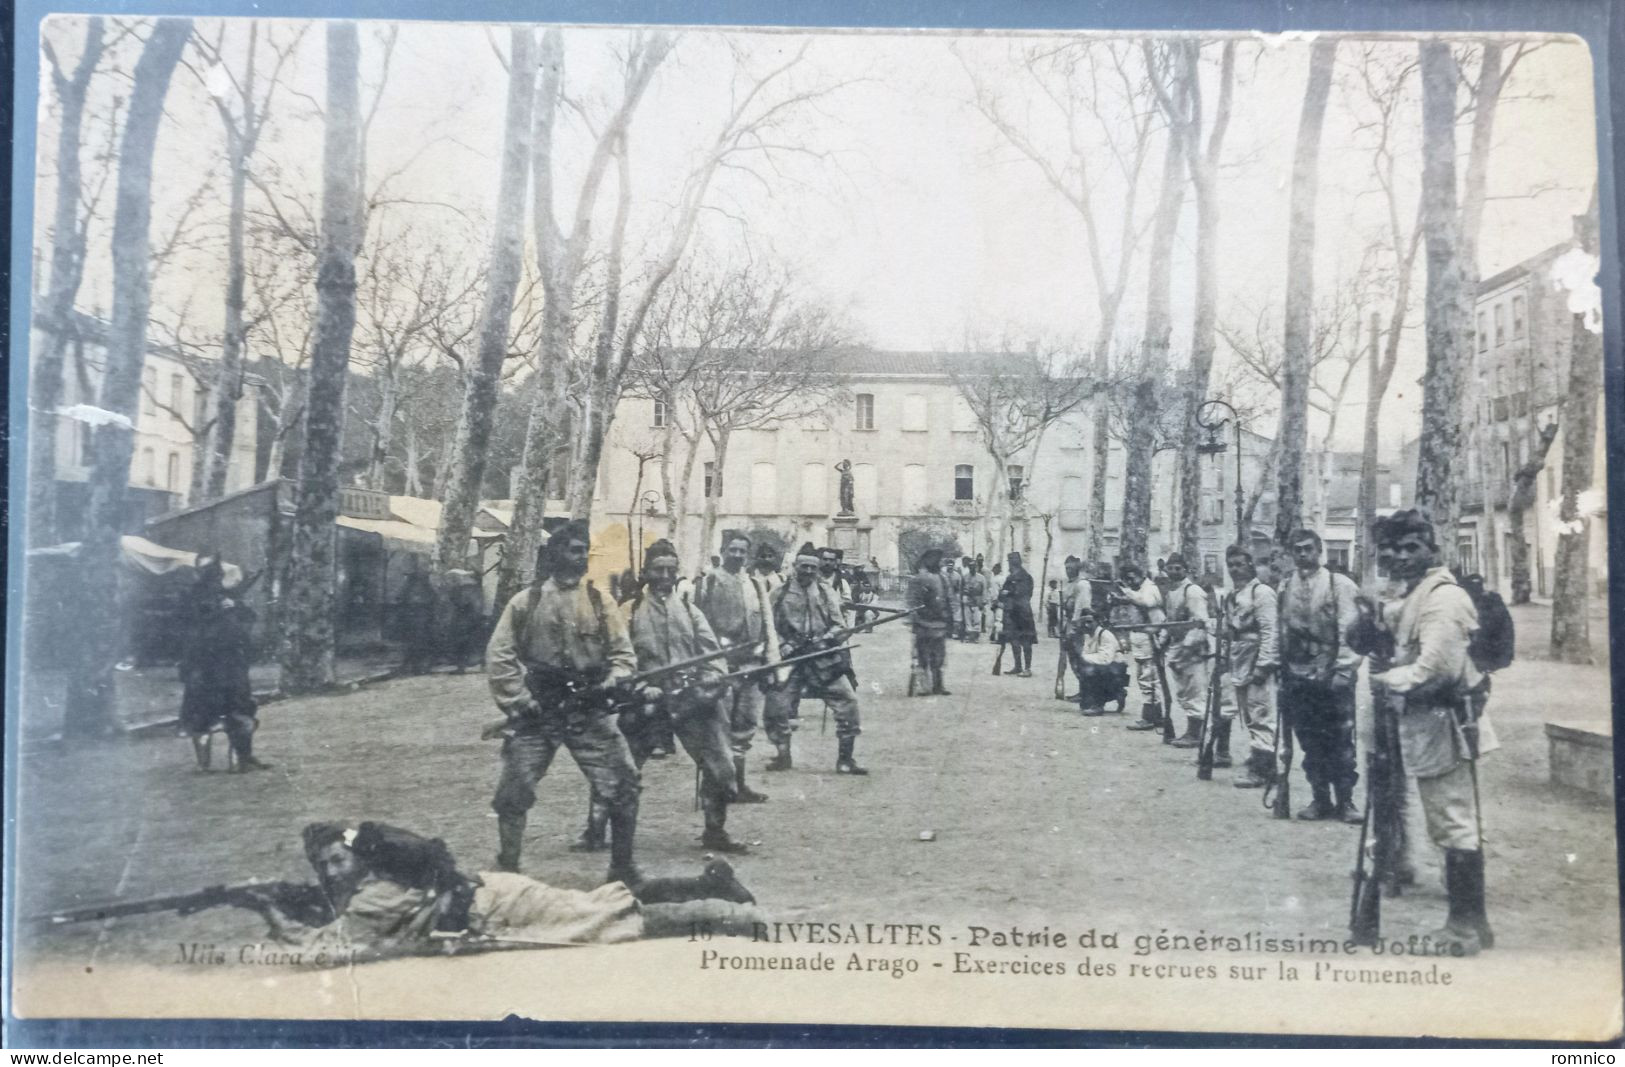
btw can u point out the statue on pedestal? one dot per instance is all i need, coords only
(847, 489)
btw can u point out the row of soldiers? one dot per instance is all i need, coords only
(711, 660)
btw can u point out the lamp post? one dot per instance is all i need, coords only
(1213, 446)
(651, 499)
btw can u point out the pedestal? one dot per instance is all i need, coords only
(843, 534)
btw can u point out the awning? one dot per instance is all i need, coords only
(403, 535)
(145, 557)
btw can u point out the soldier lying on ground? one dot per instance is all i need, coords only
(391, 887)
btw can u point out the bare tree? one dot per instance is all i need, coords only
(89, 706)
(1300, 292)
(1571, 593)
(311, 579)
(507, 248)
(68, 241)
(1519, 501)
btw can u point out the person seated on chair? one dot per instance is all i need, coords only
(1102, 674)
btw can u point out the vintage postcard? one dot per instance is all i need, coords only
(646, 523)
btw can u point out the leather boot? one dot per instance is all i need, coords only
(623, 827)
(1221, 743)
(936, 683)
(1348, 809)
(844, 763)
(240, 732)
(203, 750)
(1473, 871)
(744, 794)
(1463, 884)
(1260, 771)
(1150, 716)
(781, 762)
(1193, 733)
(716, 882)
(1321, 807)
(716, 836)
(510, 839)
(594, 837)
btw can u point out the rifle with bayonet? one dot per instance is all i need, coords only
(834, 643)
(1382, 829)
(1156, 631)
(302, 902)
(1215, 698)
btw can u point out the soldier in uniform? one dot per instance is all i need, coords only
(1141, 596)
(930, 597)
(1189, 653)
(1102, 677)
(553, 640)
(829, 572)
(956, 586)
(1250, 626)
(735, 604)
(1020, 629)
(1443, 729)
(973, 597)
(214, 670)
(1318, 670)
(667, 627)
(805, 611)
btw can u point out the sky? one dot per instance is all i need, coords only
(887, 192)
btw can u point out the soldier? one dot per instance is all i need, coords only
(558, 637)
(1020, 629)
(1250, 626)
(214, 670)
(1188, 654)
(1074, 593)
(1443, 726)
(1102, 676)
(973, 598)
(829, 572)
(929, 597)
(1144, 599)
(1318, 670)
(735, 604)
(666, 628)
(805, 611)
(956, 586)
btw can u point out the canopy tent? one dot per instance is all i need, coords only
(140, 556)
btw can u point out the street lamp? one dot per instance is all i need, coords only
(651, 501)
(1213, 446)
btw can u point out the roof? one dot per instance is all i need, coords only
(95, 330)
(867, 361)
(416, 511)
(1527, 266)
(403, 533)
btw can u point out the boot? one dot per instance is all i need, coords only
(1347, 808)
(744, 794)
(1321, 807)
(936, 684)
(1464, 885)
(781, 762)
(844, 763)
(1193, 733)
(510, 838)
(623, 827)
(1260, 771)
(1150, 716)
(203, 750)
(593, 838)
(716, 836)
(716, 882)
(1221, 744)
(242, 747)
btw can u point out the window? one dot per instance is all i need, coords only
(200, 407)
(1072, 492)
(964, 417)
(914, 413)
(865, 412)
(172, 475)
(1337, 556)
(914, 488)
(863, 488)
(1210, 563)
(1395, 494)
(764, 488)
(659, 421)
(813, 483)
(1506, 460)
(149, 467)
(710, 476)
(85, 440)
(177, 395)
(1483, 332)
(964, 482)
(149, 395)
(1016, 472)
(1517, 316)
(1500, 325)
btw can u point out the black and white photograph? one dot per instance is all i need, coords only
(638, 523)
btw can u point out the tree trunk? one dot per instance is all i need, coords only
(536, 468)
(1300, 294)
(1571, 621)
(228, 382)
(308, 615)
(67, 271)
(713, 499)
(677, 520)
(89, 706)
(414, 477)
(606, 379)
(1521, 499)
(1438, 464)
(1365, 549)
(383, 428)
(507, 247)
(1099, 474)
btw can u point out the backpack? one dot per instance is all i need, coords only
(1494, 643)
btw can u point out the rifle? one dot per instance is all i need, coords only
(1162, 680)
(1278, 794)
(1383, 822)
(1215, 696)
(301, 901)
(1060, 667)
(998, 661)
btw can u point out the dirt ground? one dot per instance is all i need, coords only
(1041, 817)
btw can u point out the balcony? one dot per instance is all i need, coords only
(965, 508)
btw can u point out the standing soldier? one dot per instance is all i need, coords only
(1318, 670)
(1016, 600)
(973, 596)
(735, 604)
(214, 670)
(1141, 595)
(558, 637)
(1188, 655)
(667, 628)
(805, 612)
(929, 597)
(956, 586)
(1250, 626)
(829, 572)
(1074, 597)
(1443, 729)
